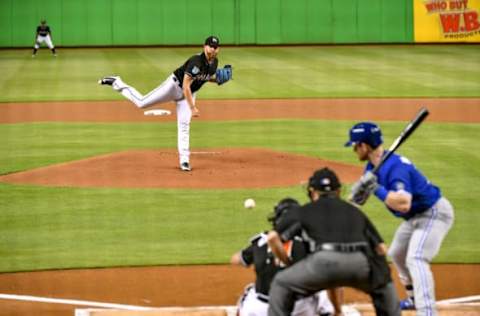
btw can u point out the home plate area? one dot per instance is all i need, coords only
(466, 306)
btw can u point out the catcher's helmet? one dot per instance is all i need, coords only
(324, 180)
(281, 208)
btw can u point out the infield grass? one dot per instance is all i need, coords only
(45, 228)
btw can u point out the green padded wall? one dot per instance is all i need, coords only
(344, 21)
(320, 19)
(267, 22)
(24, 20)
(245, 22)
(223, 21)
(369, 21)
(6, 21)
(188, 22)
(75, 18)
(124, 22)
(99, 22)
(150, 26)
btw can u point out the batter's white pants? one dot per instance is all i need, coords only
(43, 39)
(416, 242)
(168, 91)
(318, 304)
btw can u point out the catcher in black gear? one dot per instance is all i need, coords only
(254, 301)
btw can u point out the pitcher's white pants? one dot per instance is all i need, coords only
(168, 91)
(40, 39)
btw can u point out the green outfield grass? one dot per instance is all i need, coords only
(259, 72)
(44, 228)
(50, 228)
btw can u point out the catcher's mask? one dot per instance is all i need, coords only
(324, 180)
(280, 209)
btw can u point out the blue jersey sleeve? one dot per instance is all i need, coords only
(399, 178)
(399, 174)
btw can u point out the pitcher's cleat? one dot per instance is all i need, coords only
(185, 166)
(107, 80)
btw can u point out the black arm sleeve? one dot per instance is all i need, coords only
(247, 256)
(291, 231)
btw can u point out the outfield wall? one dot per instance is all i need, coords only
(187, 22)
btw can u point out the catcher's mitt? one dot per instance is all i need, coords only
(224, 74)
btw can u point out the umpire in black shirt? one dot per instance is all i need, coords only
(347, 250)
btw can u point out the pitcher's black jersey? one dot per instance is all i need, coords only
(199, 69)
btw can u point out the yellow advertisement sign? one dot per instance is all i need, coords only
(447, 20)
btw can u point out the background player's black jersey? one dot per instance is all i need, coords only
(263, 259)
(43, 30)
(199, 69)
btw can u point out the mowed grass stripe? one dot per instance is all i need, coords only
(259, 72)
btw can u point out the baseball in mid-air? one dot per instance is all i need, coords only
(249, 203)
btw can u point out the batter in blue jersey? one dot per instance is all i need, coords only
(408, 194)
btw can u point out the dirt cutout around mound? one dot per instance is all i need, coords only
(212, 169)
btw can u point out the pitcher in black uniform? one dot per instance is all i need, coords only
(254, 301)
(181, 86)
(347, 250)
(43, 34)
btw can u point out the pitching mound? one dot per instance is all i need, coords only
(211, 168)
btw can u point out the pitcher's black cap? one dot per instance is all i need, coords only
(212, 41)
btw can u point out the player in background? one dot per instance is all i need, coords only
(43, 35)
(408, 194)
(254, 301)
(181, 86)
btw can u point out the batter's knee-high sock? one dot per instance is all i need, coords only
(53, 51)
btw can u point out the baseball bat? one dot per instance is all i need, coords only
(407, 131)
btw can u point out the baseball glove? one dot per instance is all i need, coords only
(224, 74)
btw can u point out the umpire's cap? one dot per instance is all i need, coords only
(212, 41)
(365, 132)
(279, 210)
(324, 180)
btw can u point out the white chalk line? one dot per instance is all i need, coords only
(467, 299)
(39, 299)
(206, 152)
(230, 310)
